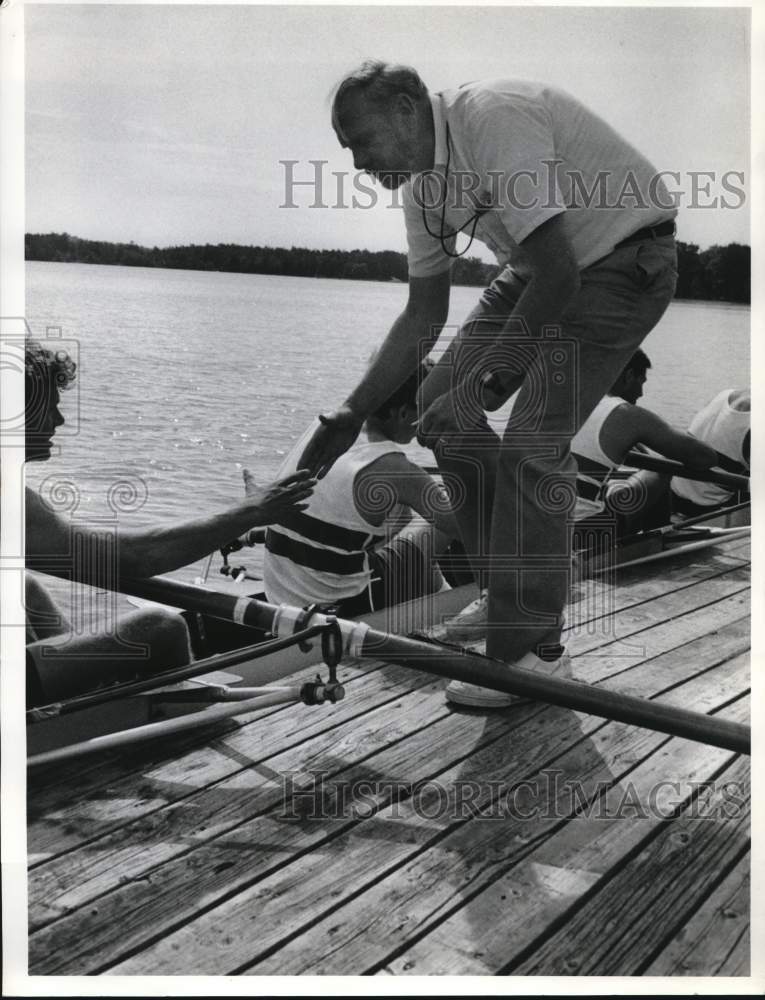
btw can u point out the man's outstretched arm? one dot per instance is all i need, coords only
(50, 539)
(412, 335)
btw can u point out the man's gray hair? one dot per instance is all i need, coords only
(380, 82)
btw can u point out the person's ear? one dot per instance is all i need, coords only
(404, 109)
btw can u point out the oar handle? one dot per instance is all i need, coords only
(652, 463)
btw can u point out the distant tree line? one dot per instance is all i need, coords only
(721, 273)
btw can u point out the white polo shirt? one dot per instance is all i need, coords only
(521, 153)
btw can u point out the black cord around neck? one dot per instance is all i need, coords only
(442, 236)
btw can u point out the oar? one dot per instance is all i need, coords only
(688, 522)
(167, 727)
(362, 641)
(679, 550)
(653, 463)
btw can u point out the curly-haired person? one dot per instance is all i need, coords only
(62, 662)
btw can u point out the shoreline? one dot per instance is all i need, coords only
(373, 281)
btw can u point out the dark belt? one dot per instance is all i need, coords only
(649, 233)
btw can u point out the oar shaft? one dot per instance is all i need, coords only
(167, 727)
(479, 670)
(679, 550)
(614, 705)
(230, 607)
(654, 464)
(460, 665)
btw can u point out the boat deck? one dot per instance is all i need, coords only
(393, 834)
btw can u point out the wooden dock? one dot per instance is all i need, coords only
(392, 834)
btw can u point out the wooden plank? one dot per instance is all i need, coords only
(638, 639)
(60, 821)
(639, 585)
(85, 868)
(72, 822)
(138, 905)
(434, 883)
(212, 792)
(646, 583)
(303, 890)
(676, 665)
(663, 885)
(738, 962)
(713, 934)
(55, 827)
(249, 760)
(517, 909)
(740, 548)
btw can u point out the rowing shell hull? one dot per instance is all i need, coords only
(137, 710)
(125, 713)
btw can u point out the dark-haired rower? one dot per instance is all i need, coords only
(616, 426)
(358, 545)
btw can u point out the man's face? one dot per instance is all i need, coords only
(635, 386)
(42, 418)
(630, 386)
(382, 143)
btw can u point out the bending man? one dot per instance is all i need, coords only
(584, 230)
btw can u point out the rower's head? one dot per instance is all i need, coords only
(396, 418)
(46, 374)
(630, 383)
(381, 112)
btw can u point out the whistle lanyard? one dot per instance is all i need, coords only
(442, 235)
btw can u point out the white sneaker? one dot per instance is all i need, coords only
(462, 693)
(471, 622)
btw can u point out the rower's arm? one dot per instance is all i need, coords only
(55, 543)
(649, 428)
(402, 482)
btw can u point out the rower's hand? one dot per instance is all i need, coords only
(268, 504)
(334, 436)
(441, 420)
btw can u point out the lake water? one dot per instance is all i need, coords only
(184, 377)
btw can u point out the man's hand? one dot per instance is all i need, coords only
(332, 439)
(267, 504)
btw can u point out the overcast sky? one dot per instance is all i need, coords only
(167, 125)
